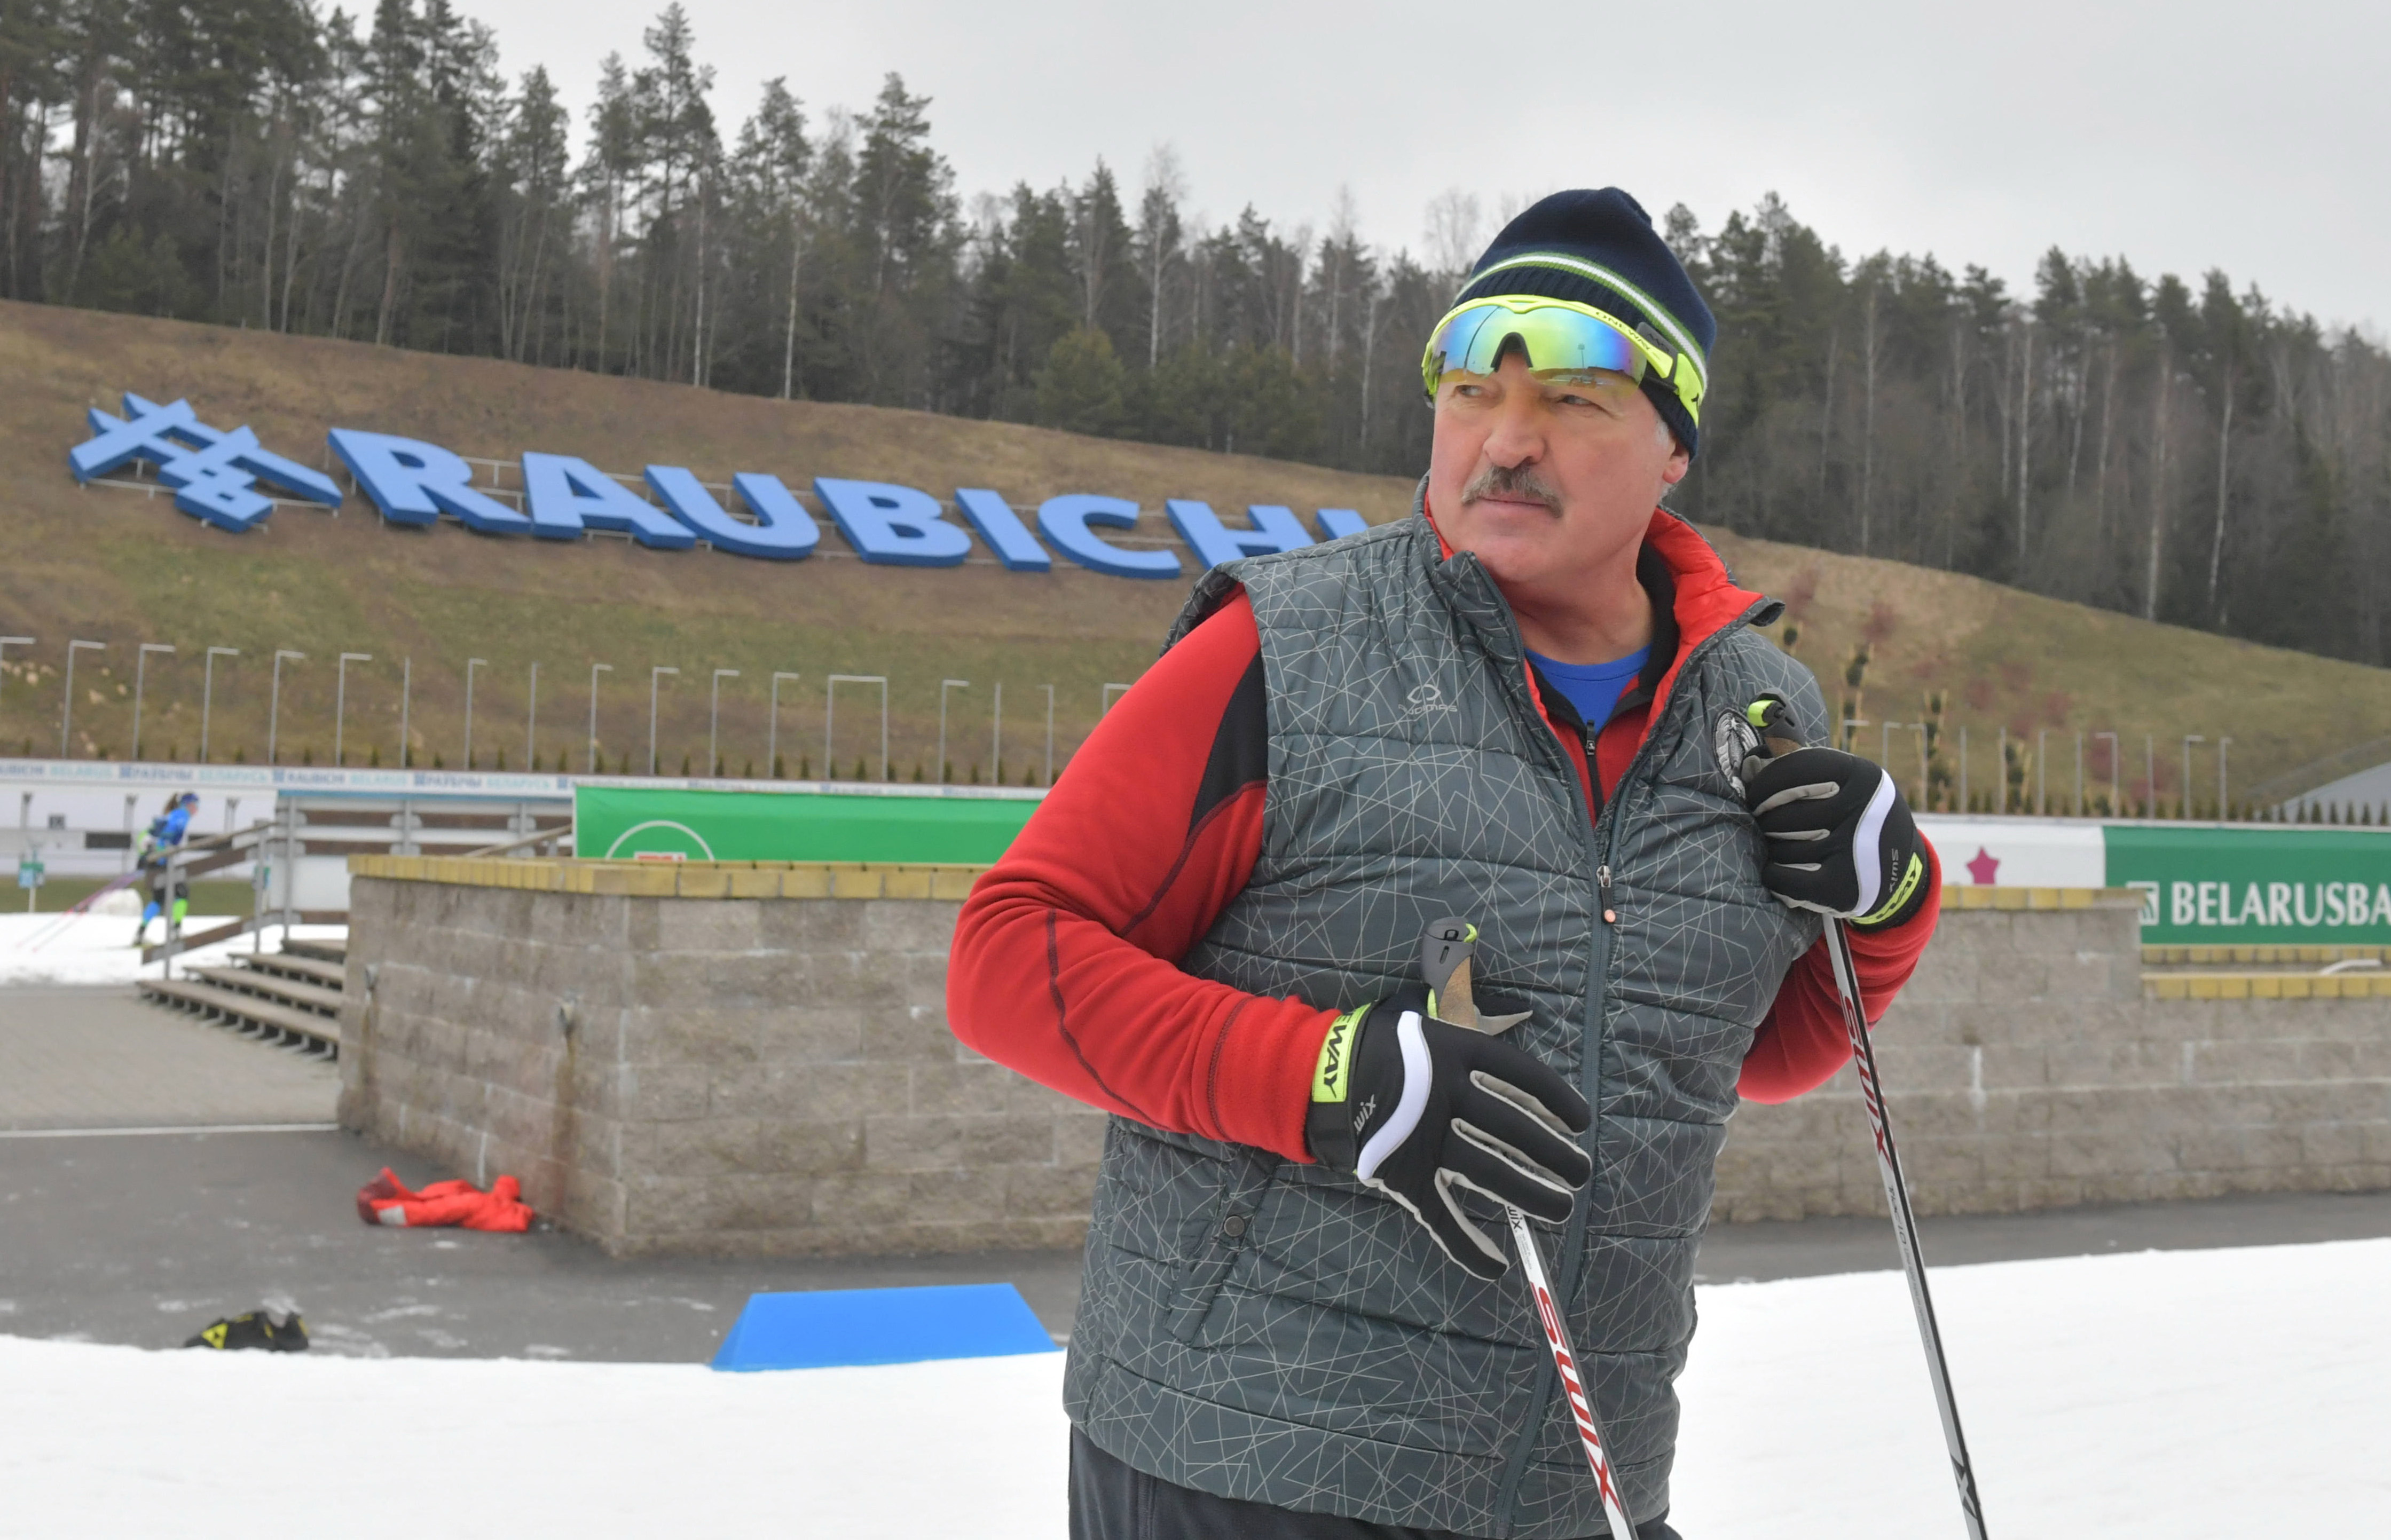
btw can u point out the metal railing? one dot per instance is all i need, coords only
(275, 849)
(254, 844)
(540, 841)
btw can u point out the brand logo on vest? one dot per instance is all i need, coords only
(1733, 739)
(1427, 698)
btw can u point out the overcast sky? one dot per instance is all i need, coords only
(2184, 137)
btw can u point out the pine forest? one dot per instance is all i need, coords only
(2178, 448)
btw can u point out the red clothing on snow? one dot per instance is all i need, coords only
(1065, 964)
(388, 1200)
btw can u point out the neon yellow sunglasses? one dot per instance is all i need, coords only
(1558, 340)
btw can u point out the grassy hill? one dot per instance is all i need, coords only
(120, 567)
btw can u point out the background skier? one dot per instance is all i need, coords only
(166, 832)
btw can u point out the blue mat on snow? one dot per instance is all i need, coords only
(834, 1327)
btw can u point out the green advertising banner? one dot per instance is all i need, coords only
(2263, 885)
(617, 823)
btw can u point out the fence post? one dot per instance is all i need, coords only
(66, 720)
(772, 733)
(714, 722)
(595, 669)
(290, 869)
(830, 707)
(654, 673)
(944, 686)
(341, 706)
(274, 710)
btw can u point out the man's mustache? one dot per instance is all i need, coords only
(1519, 482)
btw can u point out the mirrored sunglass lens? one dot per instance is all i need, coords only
(1555, 339)
(1450, 352)
(1565, 340)
(1601, 383)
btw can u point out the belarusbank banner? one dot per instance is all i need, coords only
(948, 826)
(2201, 884)
(217, 474)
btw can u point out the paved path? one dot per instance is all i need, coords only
(145, 1239)
(103, 1057)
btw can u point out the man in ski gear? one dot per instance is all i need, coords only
(166, 832)
(1526, 704)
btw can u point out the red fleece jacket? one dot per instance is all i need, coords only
(1065, 964)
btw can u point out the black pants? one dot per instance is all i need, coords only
(1110, 1500)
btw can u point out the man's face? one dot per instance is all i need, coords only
(1547, 481)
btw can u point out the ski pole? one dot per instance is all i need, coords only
(51, 930)
(1445, 962)
(1769, 716)
(1589, 1432)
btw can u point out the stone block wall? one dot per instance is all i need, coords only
(670, 1068)
(2028, 1065)
(720, 1075)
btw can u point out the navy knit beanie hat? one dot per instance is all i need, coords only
(1600, 249)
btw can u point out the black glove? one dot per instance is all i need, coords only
(1841, 839)
(273, 1331)
(1416, 1107)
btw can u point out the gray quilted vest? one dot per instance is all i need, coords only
(1264, 1330)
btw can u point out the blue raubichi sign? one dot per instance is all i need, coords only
(217, 477)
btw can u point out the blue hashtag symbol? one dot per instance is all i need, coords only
(214, 474)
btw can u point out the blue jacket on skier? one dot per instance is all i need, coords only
(166, 832)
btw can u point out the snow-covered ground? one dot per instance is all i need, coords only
(2161, 1395)
(2156, 1396)
(96, 949)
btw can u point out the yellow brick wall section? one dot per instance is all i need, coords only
(2178, 956)
(678, 879)
(1966, 896)
(2265, 986)
(879, 879)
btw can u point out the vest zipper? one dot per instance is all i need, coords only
(1597, 828)
(1600, 829)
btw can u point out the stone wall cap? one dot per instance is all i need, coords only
(2265, 986)
(778, 879)
(1957, 895)
(2181, 956)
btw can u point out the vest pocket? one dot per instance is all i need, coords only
(1217, 1232)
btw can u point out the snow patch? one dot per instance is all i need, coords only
(2147, 1396)
(96, 949)
(101, 1442)
(2139, 1397)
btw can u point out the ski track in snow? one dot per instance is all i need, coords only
(2152, 1396)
